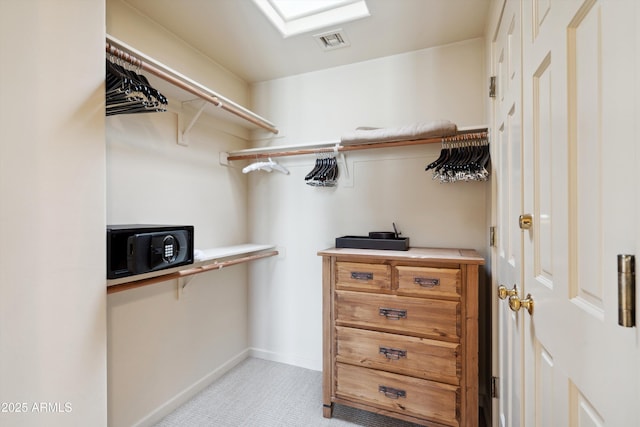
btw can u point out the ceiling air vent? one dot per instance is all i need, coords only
(333, 39)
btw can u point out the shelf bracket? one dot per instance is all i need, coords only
(182, 284)
(224, 158)
(182, 134)
(344, 162)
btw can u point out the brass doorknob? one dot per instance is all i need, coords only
(504, 293)
(515, 303)
(525, 221)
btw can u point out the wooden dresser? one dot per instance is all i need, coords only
(401, 333)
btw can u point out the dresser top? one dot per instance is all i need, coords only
(465, 256)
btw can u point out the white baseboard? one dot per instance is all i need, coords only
(186, 394)
(315, 365)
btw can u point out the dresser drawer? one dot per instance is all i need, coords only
(418, 357)
(362, 276)
(428, 318)
(428, 281)
(410, 396)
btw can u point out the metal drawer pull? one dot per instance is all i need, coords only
(357, 275)
(392, 353)
(393, 313)
(392, 393)
(426, 282)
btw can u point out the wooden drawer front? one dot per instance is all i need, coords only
(361, 276)
(427, 281)
(410, 396)
(418, 357)
(429, 318)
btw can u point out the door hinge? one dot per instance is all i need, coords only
(494, 387)
(492, 236)
(492, 87)
(627, 290)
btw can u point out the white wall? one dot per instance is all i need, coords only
(52, 214)
(383, 185)
(159, 345)
(163, 348)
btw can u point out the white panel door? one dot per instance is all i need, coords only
(507, 155)
(579, 145)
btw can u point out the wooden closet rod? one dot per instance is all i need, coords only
(335, 146)
(184, 273)
(170, 76)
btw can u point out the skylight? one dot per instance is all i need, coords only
(292, 17)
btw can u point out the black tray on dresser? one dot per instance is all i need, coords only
(364, 242)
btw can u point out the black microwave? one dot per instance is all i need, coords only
(139, 248)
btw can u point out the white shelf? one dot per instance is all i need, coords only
(214, 258)
(213, 254)
(337, 146)
(182, 88)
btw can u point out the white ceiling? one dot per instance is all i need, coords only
(238, 36)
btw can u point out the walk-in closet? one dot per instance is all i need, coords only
(423, 213)
(192, 165)
(263, 170)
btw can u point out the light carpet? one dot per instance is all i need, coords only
(261, 393)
